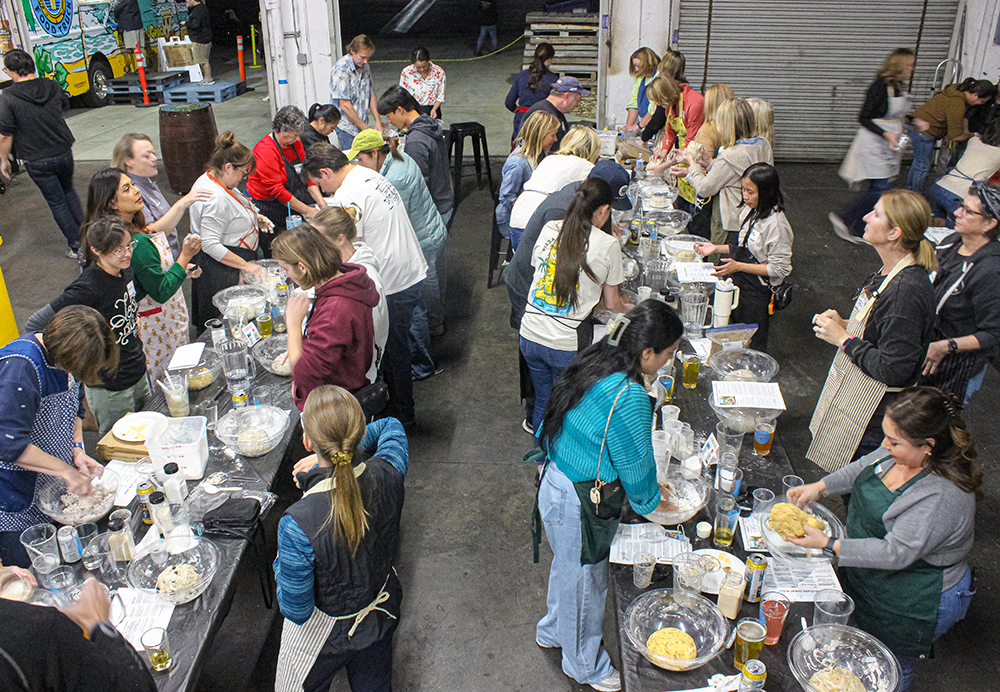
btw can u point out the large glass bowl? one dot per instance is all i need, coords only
(271, 420)
(690, 494)
(688, 612)
(206, 372)
(840, 646)
(250, 299)
(146, 567)
(680, 248)
(742, 418)
(56, 502)
(274, 277)
(789, 552)
(670, 222)
(743, 364)
(269, 348)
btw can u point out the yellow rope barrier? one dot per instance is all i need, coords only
(478, 57)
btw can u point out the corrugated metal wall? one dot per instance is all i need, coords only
(813, 59)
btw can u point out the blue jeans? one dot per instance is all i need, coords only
(54, 177)
(923, 155)
(485, 31)
(954, 606)
(515, 235)
(397, 364)
(854, 212)
(576, 595)
(944, 203)
(344, 140)
(973, 386)
(546, 365)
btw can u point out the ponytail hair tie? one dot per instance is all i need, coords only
(342, 458)
(616, 327)
(950, 408)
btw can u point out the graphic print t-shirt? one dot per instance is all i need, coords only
(551, 322)
(114, 297)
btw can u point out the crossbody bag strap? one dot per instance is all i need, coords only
(966, 268)
(598, 483)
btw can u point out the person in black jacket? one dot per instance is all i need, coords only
(967, 297)
(199, 28)
(487, 24)
(128, 20)
(31, 121)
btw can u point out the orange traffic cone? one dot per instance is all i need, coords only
(140, 64)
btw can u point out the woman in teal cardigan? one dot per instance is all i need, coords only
(597, 424)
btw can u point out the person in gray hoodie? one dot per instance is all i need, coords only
(31, 121)
(425, 144)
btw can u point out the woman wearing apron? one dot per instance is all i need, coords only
(760, 252)
(910, 525)
(163, 314)
(275, 186)
(135, 155)
(881, 348)
(874, 155)
(967, 297)
(41, 416)
(228, 225)
(337, 587)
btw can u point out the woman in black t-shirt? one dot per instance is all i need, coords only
(107, 284)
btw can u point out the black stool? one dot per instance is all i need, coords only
(496, 244)
(457, 134)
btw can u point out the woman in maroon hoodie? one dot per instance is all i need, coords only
(336, 345)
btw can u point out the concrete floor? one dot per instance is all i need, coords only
(472, 594)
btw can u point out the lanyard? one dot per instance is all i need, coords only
(246, 207)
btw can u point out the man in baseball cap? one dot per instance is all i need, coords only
(564, 98)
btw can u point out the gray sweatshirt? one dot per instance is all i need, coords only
(724, 174)
(933, 520)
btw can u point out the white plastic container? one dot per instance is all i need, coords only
(181, 440)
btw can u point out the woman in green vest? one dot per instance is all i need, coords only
(910, 525)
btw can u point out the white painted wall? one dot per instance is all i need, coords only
(294, 27)
(979, 55)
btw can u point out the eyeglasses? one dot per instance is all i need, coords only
(122, 251)
(969, 212)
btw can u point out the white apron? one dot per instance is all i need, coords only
(870, 156)
(162, 327)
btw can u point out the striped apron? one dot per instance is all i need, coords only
(849, 397)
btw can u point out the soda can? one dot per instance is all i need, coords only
(634, 231)
(68, 546)
(143, 490)
(756, 567)
(753, 676)
(240, 399)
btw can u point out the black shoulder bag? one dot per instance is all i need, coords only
(239, 517)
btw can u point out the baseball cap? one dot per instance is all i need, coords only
(365, 140)
(569, 84)
(618, 178)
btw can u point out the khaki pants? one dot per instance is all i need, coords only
(109, 407)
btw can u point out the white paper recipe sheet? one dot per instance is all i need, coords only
(738, 394)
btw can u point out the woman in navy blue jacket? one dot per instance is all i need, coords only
(531, 85)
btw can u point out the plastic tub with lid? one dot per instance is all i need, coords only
(181, 440)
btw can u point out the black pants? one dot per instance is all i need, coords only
(701, 219)
(397, 364)
(368, 670)
(215, 276)
(755, 301)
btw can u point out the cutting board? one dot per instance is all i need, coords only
(110, 447)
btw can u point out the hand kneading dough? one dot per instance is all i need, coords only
(672, 643)
(788, 520)
(281, 366)
(836, 680)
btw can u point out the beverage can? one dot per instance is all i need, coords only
(239, 399)
(753, 676)
(68, 545)
(143, 490)
(756, 567)
(634, 231)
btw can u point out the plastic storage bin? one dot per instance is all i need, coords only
(181, 440)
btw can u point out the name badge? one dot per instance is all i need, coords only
(298, 168)
(754, 235)
(130, 288)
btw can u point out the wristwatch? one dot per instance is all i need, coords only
(952, 346)
(828, 550)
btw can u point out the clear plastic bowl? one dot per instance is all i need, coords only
(269, 348)
(50, 500)
(841, 646)
(737, 360)
(269, 282)
(147, 566)
(742, 418)
(250, 298)
(670, 222)
(271, 420)
(206, 372)
(680, 248)
(691, 495)
(786, 551)
(688, 612)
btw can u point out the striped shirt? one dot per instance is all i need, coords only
(628, 452)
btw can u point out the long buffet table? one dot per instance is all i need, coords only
(638, 674)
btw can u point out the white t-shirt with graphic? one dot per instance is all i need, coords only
(553, 324)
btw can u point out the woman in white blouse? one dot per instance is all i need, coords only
(228, 225)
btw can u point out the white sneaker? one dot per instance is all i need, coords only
(842, 231)
(527, 427)
(612, 683)
(206, 82)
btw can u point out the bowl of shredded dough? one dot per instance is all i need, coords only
(252, 431)
(72, 510)
(272, 354)
(784, 519)
(176, 569)
(839, 658)
(676, 630)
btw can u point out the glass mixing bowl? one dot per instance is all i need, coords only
(199, 553)
(688, 612)
(743, 364)
(680, 248)
(839, 646)
(269, 348)
(786, 551)
(250, 299)
(56, 502)
(689, 496)
(271, 421)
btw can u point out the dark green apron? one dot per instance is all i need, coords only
(900, 608)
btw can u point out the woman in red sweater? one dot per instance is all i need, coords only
(276, 186)
(337, 344)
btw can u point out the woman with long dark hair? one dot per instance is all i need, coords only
(337, 587)
(760, 253)
(910, 525)
(323, 120)
(597, 431)
(576, 265)
(531, 85)
(425, 81)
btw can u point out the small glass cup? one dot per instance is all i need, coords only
(730, 481)
(729, 440)
(691, 366)
(85, 533)
(726, 513)
(689, 572)
(749, 641)
(157, 647)
(175, 391)
(773, 611)
(642, 570)
(763, 436)
(40, 539)
(761, 498)
(788, 482)
(832, 607)
(209, 409)
(44, 565)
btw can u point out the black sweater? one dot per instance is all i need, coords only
(876, 105)
(974, 308)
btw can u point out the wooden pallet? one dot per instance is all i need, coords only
(127, 90)
(209, 93)
(545, 25)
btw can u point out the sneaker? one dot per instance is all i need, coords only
(206, 82)
(612, 683)
(72, 253)
(547, 646)
(530, 430)
(421, 378)
(842, 231)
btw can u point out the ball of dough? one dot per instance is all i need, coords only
(671, 642)
(836, 680)
(281, 366)
(176, 578)
(788, 520)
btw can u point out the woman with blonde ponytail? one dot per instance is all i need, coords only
(337, 587)
(881, 347)
(910, 525)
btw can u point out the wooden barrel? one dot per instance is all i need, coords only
(187, 138)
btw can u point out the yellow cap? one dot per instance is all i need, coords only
(366, 140)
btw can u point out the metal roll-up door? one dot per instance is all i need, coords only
(814, 60)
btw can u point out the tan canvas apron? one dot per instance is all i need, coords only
(849, 397)
(870, 156)
(162, 326)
